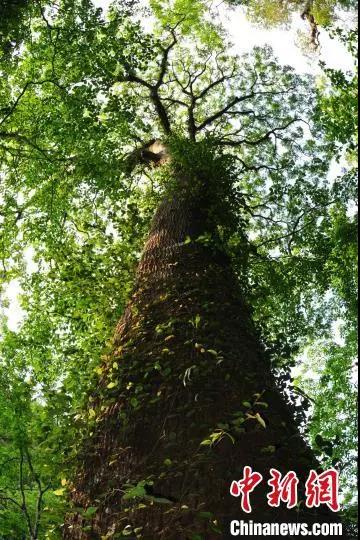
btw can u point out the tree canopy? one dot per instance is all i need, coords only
(317, 13)
(83, 95)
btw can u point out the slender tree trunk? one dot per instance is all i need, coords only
(186, 364)
(308, 16)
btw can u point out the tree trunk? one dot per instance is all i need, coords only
(186, 364)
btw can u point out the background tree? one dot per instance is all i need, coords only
(316, 13)
(334, 363)
(27, 505)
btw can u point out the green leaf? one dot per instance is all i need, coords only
(134, 402)
(90, 511)
(135, 492)
(205, 515)
(59, 492)
(206, 442)
(260, 420)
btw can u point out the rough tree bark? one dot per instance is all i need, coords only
(189, 365)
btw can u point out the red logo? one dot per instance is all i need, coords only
(323, 489)
(320, 488)
(245, 486)
(283, 489)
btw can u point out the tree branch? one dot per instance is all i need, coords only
(213, 85)
(165, 58)
(22, 93)
(222, 111)
(154, 96)
(235, 101)
(294, 229)
(161, 111)
(23, 497)
(261, 139)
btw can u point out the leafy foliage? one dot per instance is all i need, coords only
(14, 24)
(333, 364)
(316, 13)
(272, 13)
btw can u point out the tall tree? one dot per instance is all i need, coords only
(97, 111)
(317, 13)
(335, 360)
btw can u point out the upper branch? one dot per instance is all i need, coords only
(215, 83)
(223, 111)
(154, 88)
(27, 85)
(161, 110)
(227, 109)
(263, 138)
(165, 59)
